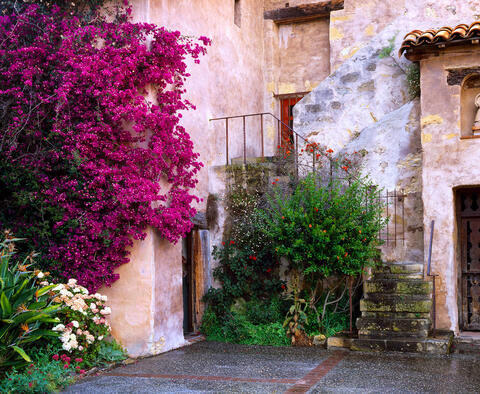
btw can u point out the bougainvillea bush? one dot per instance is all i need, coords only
(91, 150)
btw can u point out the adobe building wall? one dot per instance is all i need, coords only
(297, 56)
(146, 302)
(448, 163)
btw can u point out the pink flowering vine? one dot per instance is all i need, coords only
(92, 111)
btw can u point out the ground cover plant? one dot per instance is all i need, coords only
(91, 150)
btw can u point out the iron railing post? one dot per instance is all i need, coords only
(244, 143)
(261, 134)
(226, 136)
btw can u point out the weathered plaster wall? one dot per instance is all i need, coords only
(361, 91)
(392, 158)
(297, 57)
(448, 162)
(146, 301)
(361, 20)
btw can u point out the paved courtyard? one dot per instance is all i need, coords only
(210, 367)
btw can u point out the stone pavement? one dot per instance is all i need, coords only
(210, 367)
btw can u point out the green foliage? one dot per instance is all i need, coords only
(19, 190)
(387, 51)
(242, 274)
(326, 229)
(254, 323)
(26, 308)
(43, 375)
(247, 267)
(266, 311)
(413, 80)
(110, 352)
(335, 319)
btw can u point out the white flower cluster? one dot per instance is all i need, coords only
(92, 312)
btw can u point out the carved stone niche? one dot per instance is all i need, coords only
(469, 106)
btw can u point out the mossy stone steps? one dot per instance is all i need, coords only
(398, 286)
(378, 302)
(395, 309)
(368, 325)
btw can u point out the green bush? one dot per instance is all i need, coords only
(26, 308)
(250, 323)
(243, 274)
(326, 229)
(43, 375)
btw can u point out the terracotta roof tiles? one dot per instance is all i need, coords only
(417, 38)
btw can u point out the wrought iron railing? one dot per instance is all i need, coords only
(282, 130)
(394, 200)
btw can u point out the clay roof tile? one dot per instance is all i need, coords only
(417, 38)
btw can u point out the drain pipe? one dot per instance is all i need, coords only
(433, 276)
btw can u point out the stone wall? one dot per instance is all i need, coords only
(361, 20)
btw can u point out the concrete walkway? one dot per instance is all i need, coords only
(209, 367)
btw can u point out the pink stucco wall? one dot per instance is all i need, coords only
(448, 162)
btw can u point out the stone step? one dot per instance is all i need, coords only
(467, 343)
(398, 286)
(399, 269)
(395, 303)
(386, 276)
(396, 315)
(422, 345)
(393, 325)
(386, 334)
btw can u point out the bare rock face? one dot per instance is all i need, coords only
(364, 89)
(391, 149)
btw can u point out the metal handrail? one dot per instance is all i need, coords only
(261, 114)
(433, 276)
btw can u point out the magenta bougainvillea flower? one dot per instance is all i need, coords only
(93, 114)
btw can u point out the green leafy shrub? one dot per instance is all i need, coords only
(45, 374)
(26, 307)
(237, 329)
(326, 229)
(110, 352)
(266, 311)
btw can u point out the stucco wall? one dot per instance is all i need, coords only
(147, 310)
(448, 162)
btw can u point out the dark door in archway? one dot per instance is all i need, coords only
(468, 213)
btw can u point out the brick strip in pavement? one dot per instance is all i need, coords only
(299, 385)
(316, 374)
(196, 377)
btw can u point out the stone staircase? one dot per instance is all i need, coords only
(396, 312)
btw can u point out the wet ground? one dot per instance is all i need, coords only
(209, 367)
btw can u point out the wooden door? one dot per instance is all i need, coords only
(286, 107)
(469, 209)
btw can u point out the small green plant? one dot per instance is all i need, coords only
(296, 316)
(26, 307)
(413, 80)
(387, 51)
(110, 352)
